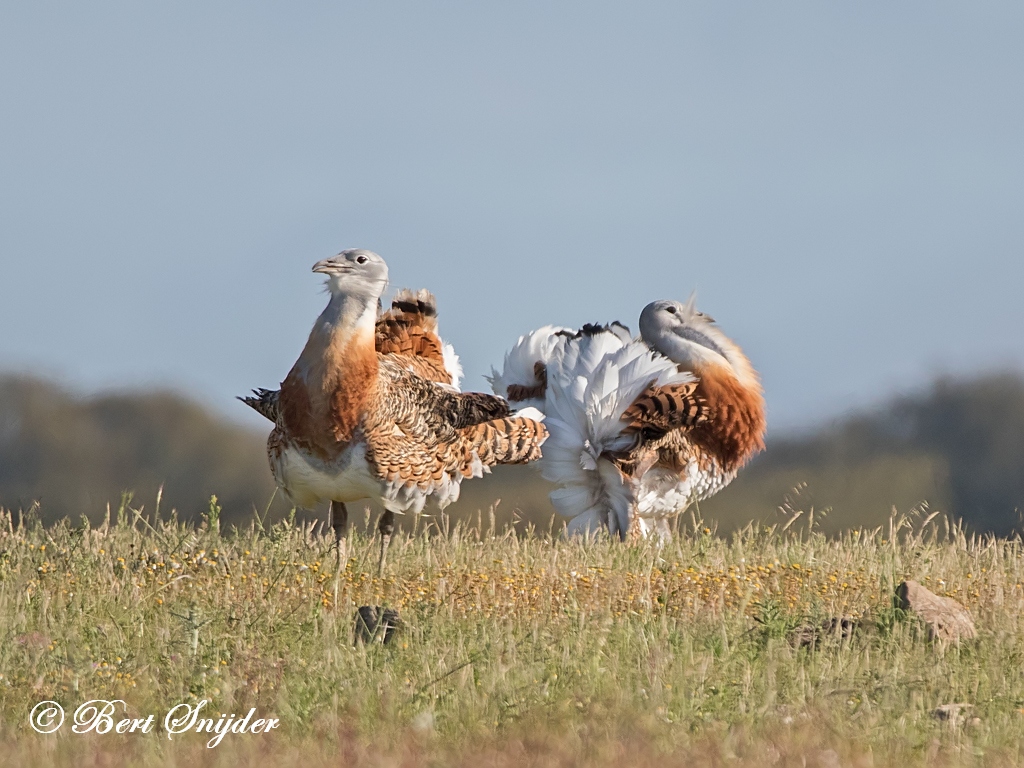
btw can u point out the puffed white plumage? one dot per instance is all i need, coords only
(592, 379)
(522, 376)
(639, 428)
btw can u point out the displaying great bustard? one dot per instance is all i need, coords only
(370, 410)
(639, 428)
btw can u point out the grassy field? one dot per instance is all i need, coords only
(515, 649)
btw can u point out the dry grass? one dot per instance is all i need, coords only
(516, 649)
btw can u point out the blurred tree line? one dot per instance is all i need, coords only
(957, 446)
(74, 455)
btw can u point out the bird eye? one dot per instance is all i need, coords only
(671, 310)
(361, 259)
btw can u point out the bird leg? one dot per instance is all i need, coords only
(339, 522)
(635, 532)
(386, 526)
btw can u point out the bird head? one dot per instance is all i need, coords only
(691, 339)
(355, 272)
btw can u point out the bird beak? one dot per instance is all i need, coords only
(327, 266)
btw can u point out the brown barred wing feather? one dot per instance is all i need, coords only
(426, 368)
(409, 329)
(414, 308)
(662, 409)
(420, 433)
(511, 440)
(520, 392)
(464, 409)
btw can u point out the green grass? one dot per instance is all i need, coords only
(516, 649)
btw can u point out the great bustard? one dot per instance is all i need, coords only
(370, 409)
(640, 428)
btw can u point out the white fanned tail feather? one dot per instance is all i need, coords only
(592, 380)
(452, 364)
(520, 363)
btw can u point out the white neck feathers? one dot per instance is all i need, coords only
(347, 313)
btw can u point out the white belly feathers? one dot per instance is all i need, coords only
(307, 480)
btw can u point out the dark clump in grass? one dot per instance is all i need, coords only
(513, 648)
(374, 623)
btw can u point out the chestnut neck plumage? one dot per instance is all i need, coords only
(735, 428)
(332, 381)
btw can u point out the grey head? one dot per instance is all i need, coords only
(355, 272)
(684, 335)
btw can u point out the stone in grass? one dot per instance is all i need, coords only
(944, 617)
(810, 635)
(375, 623)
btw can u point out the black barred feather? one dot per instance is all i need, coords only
(662, 409)
(506, 441)
(427, 308)
(468, 408)
(519, 392)
(264, 402)
(592, 329)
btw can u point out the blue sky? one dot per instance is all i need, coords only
(841, 183)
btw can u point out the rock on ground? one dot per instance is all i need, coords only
(944, 617)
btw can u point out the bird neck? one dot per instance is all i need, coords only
(347, 314)
(328, 389)
(341, 345)
(689, 355)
